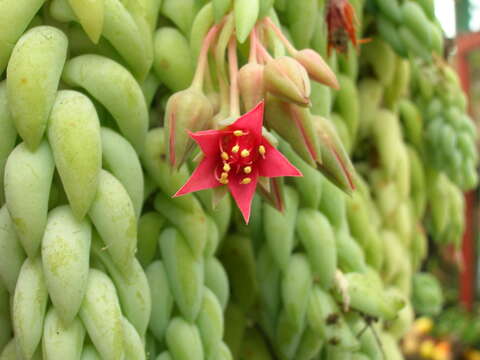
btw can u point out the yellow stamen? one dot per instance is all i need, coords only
(247, 169)
(224, 155)
(246, 181)
(235, 149)
(223, 181)
(261, 150)
(238, 133)
(226, 167)
(224, 175)
(245, 153)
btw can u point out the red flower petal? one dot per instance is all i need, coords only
(252, 121)
(243, 193)
(202, 178)
(208, 141)
(275, 164)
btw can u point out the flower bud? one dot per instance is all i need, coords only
(316, 67)
(250, 83)
(336, 164)
(187, 110)
(286, 78)
(294, 124)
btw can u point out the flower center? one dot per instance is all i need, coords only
(238, 153)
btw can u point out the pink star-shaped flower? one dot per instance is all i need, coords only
(236, 156)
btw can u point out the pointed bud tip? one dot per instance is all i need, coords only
(251, 84)
(334, 84)
(317, 68)
(287, 78)
(337, 165)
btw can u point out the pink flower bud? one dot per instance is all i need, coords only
(317, 68)
(336, 164)
(250, 83)
(187, 111)
(294, 124)
(287, 79)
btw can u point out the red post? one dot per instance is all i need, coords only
(465, 44)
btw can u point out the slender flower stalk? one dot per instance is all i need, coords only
(189, 109)
(250, 77)
(252, 58)
(203, 57)
(288, 45)
(220, 66)
(222, 43)
(263, 53)
(233, 67)
(316, 67)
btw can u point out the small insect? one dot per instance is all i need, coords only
(341, 24)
